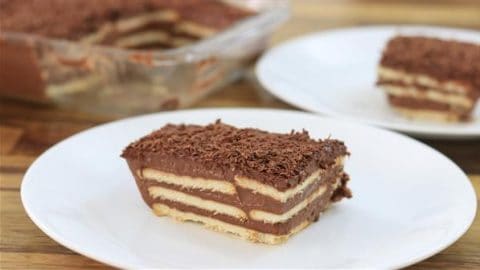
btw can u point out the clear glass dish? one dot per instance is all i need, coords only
(117, 81)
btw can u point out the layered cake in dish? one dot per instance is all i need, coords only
(121, 23)
(261, 186)
(34, 67)
(430, 78)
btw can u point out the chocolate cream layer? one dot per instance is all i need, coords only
(451, 99)
(423, 88)
(415, 103)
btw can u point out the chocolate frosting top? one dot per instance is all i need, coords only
(279, 160)
(74, 19)
(441, 59)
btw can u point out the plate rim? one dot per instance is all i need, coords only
(418, 131)
(78, 248)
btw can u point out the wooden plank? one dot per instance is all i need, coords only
(13, 109)
(10, 181)
(38, 136)
(390, 12)
(15, 163)
(312, 15)
(9, 137)
(32, 260)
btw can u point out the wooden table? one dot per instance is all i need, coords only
(27, 130)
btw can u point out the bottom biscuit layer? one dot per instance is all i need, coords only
(220, 226)
(431, 115)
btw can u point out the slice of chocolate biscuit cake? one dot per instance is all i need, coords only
(258, 185)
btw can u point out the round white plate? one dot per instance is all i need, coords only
(334, 73)
(409, 202)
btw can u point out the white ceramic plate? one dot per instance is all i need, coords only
(334, 73)
(409, 201)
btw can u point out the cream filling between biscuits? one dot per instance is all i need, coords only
(272, 192)
(72, 87)
(389, 74)
(190, 200)
(221, 226)
(268, 217)
(130, 24)
(221, 186)
(227, 187)
(429, 94)
(142, 38)
(257, 187)
(226, 209)
(133, 23)
(194, 29)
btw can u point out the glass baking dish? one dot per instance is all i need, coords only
(115, 81)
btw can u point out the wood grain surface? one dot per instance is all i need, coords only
(26, 130)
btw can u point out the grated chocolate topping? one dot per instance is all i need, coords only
(441, 59)
(279, 160)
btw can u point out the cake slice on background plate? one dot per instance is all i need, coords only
(429, 78)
